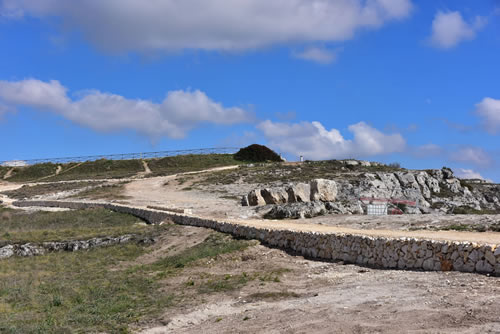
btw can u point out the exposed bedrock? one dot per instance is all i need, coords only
(432, 190)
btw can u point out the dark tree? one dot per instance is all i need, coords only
(257, 153)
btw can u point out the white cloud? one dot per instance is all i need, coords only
(472, 155)
(467, 174)
(449, 29)
(125, 25)
(313, 141)
(318, 55)
(489, 110)
(178, 113)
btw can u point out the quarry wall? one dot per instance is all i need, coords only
(378, 252)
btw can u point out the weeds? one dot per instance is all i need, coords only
(76, 293)
(106, 192)
(69, 225)
(28, 191)
(190, 163)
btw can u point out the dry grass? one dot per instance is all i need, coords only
(28, 191)
(105, 192)
(21, 227)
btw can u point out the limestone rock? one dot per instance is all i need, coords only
(297, 210)
(6, 252)
(300, 192)
(447, 173)
(255, 198)
(274, 195)
(323, 190)
(454, 185)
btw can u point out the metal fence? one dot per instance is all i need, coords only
(127, 156)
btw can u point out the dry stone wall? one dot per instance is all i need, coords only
(380, 252)
(30, 249)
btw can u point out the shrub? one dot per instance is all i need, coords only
(257, 153)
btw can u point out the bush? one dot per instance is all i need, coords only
(257, 153)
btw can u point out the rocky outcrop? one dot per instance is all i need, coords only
(430, 190)
(305, 210)
(255, 198)
(274, 195)
(30, 249)
(300, 192)
(317, 190)
(323, 190)
(297, 210)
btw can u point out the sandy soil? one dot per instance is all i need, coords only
(322, 297)
(168, 192)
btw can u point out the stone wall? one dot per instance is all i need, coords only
(30, 249)
(379, 252)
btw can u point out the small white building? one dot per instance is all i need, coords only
(376, 209)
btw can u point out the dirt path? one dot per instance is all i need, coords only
(322, 297)
(167, 192)
(478, 237)
(8, 174)
(146, 167)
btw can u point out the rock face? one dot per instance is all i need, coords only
(255, 198)
(298, 192)
(274, 195)
(318, 190)
(297, 210)
(323, 190)
(433, 190)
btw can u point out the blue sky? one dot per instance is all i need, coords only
(384, 80)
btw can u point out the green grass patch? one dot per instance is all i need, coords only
(265, 173)
(28, 191)
(106, 192)
(33, 172)
(190, 163)
(3, 171)
(228, 282)
(39, 227)
(273, 295)
(225, 283)
(467, 210)
(77, 292)
(99, 169)
(495, 227)
(215, 244)
(93, 291)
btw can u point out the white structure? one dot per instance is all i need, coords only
(376, 209)
(15, 163)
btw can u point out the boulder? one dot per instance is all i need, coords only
(454, 185)
(274, 195)
(244, 200)
(297, 210)
(421, 179)
(255, 198)
(300, 192)
(407, 180)
(6, 252)
(323, 190)
(447, 173)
